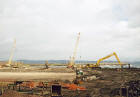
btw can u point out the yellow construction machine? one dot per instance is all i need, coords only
(97, 65)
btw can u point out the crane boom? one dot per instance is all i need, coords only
(72, 61)
(12, 52)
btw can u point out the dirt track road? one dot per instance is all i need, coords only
(26, 76)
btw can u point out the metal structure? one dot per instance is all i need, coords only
(72, 59)
(56, 90)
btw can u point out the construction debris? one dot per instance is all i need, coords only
(129, 89)
(74, 87)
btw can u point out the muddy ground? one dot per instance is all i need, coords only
(102, 83)
(107, 81)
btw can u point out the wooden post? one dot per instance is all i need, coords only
(19, 88)
(129, 66)
(121, 92)
(127, 92)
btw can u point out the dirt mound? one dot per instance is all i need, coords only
(11, 93)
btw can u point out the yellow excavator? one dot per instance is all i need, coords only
(97, 65)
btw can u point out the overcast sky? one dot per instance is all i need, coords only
(47, 29)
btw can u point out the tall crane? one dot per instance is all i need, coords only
(12, 53)
(72, 59)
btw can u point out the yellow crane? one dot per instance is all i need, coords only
(101, 59)
(12, 53)
(72, 59)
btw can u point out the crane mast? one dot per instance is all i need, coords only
(72, 60)
(12, 52)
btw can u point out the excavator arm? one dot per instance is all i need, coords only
(113, 54)
(98, 62)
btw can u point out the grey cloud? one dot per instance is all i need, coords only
(129, 10)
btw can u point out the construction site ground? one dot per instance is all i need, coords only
(98, 83)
